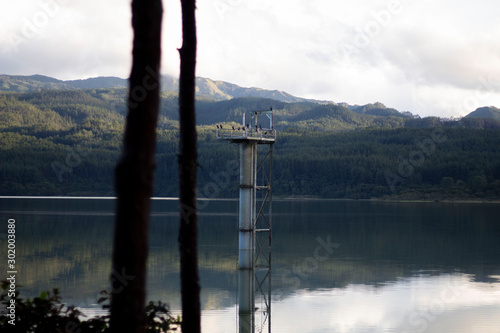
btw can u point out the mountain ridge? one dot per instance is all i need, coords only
(215, 89)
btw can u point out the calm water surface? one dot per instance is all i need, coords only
(338, 266)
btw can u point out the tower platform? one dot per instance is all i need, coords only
(262, 136)
(252, 131)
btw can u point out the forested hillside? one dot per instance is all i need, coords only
(485, 112)
(66, 142)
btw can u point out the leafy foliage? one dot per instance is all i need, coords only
(47, 314)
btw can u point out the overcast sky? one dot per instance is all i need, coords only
(437, 57)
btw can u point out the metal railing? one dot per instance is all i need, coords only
(263, 134)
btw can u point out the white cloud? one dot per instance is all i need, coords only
(422, 56)
(67, 39)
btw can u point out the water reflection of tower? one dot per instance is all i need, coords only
(254, 220)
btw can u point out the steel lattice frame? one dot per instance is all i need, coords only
(263, 240)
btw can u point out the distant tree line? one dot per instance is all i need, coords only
(358, 164)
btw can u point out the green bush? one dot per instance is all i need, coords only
(47, 314)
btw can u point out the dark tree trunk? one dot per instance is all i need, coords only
(134, 173)
(188, 233)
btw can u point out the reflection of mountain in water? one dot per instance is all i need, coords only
(377, 243)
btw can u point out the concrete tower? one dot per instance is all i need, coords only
(254, 220)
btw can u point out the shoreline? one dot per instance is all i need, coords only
(288, 198)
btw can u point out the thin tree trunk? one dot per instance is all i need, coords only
(134, 173)
(188, 233)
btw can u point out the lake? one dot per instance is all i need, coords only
(338, 266)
